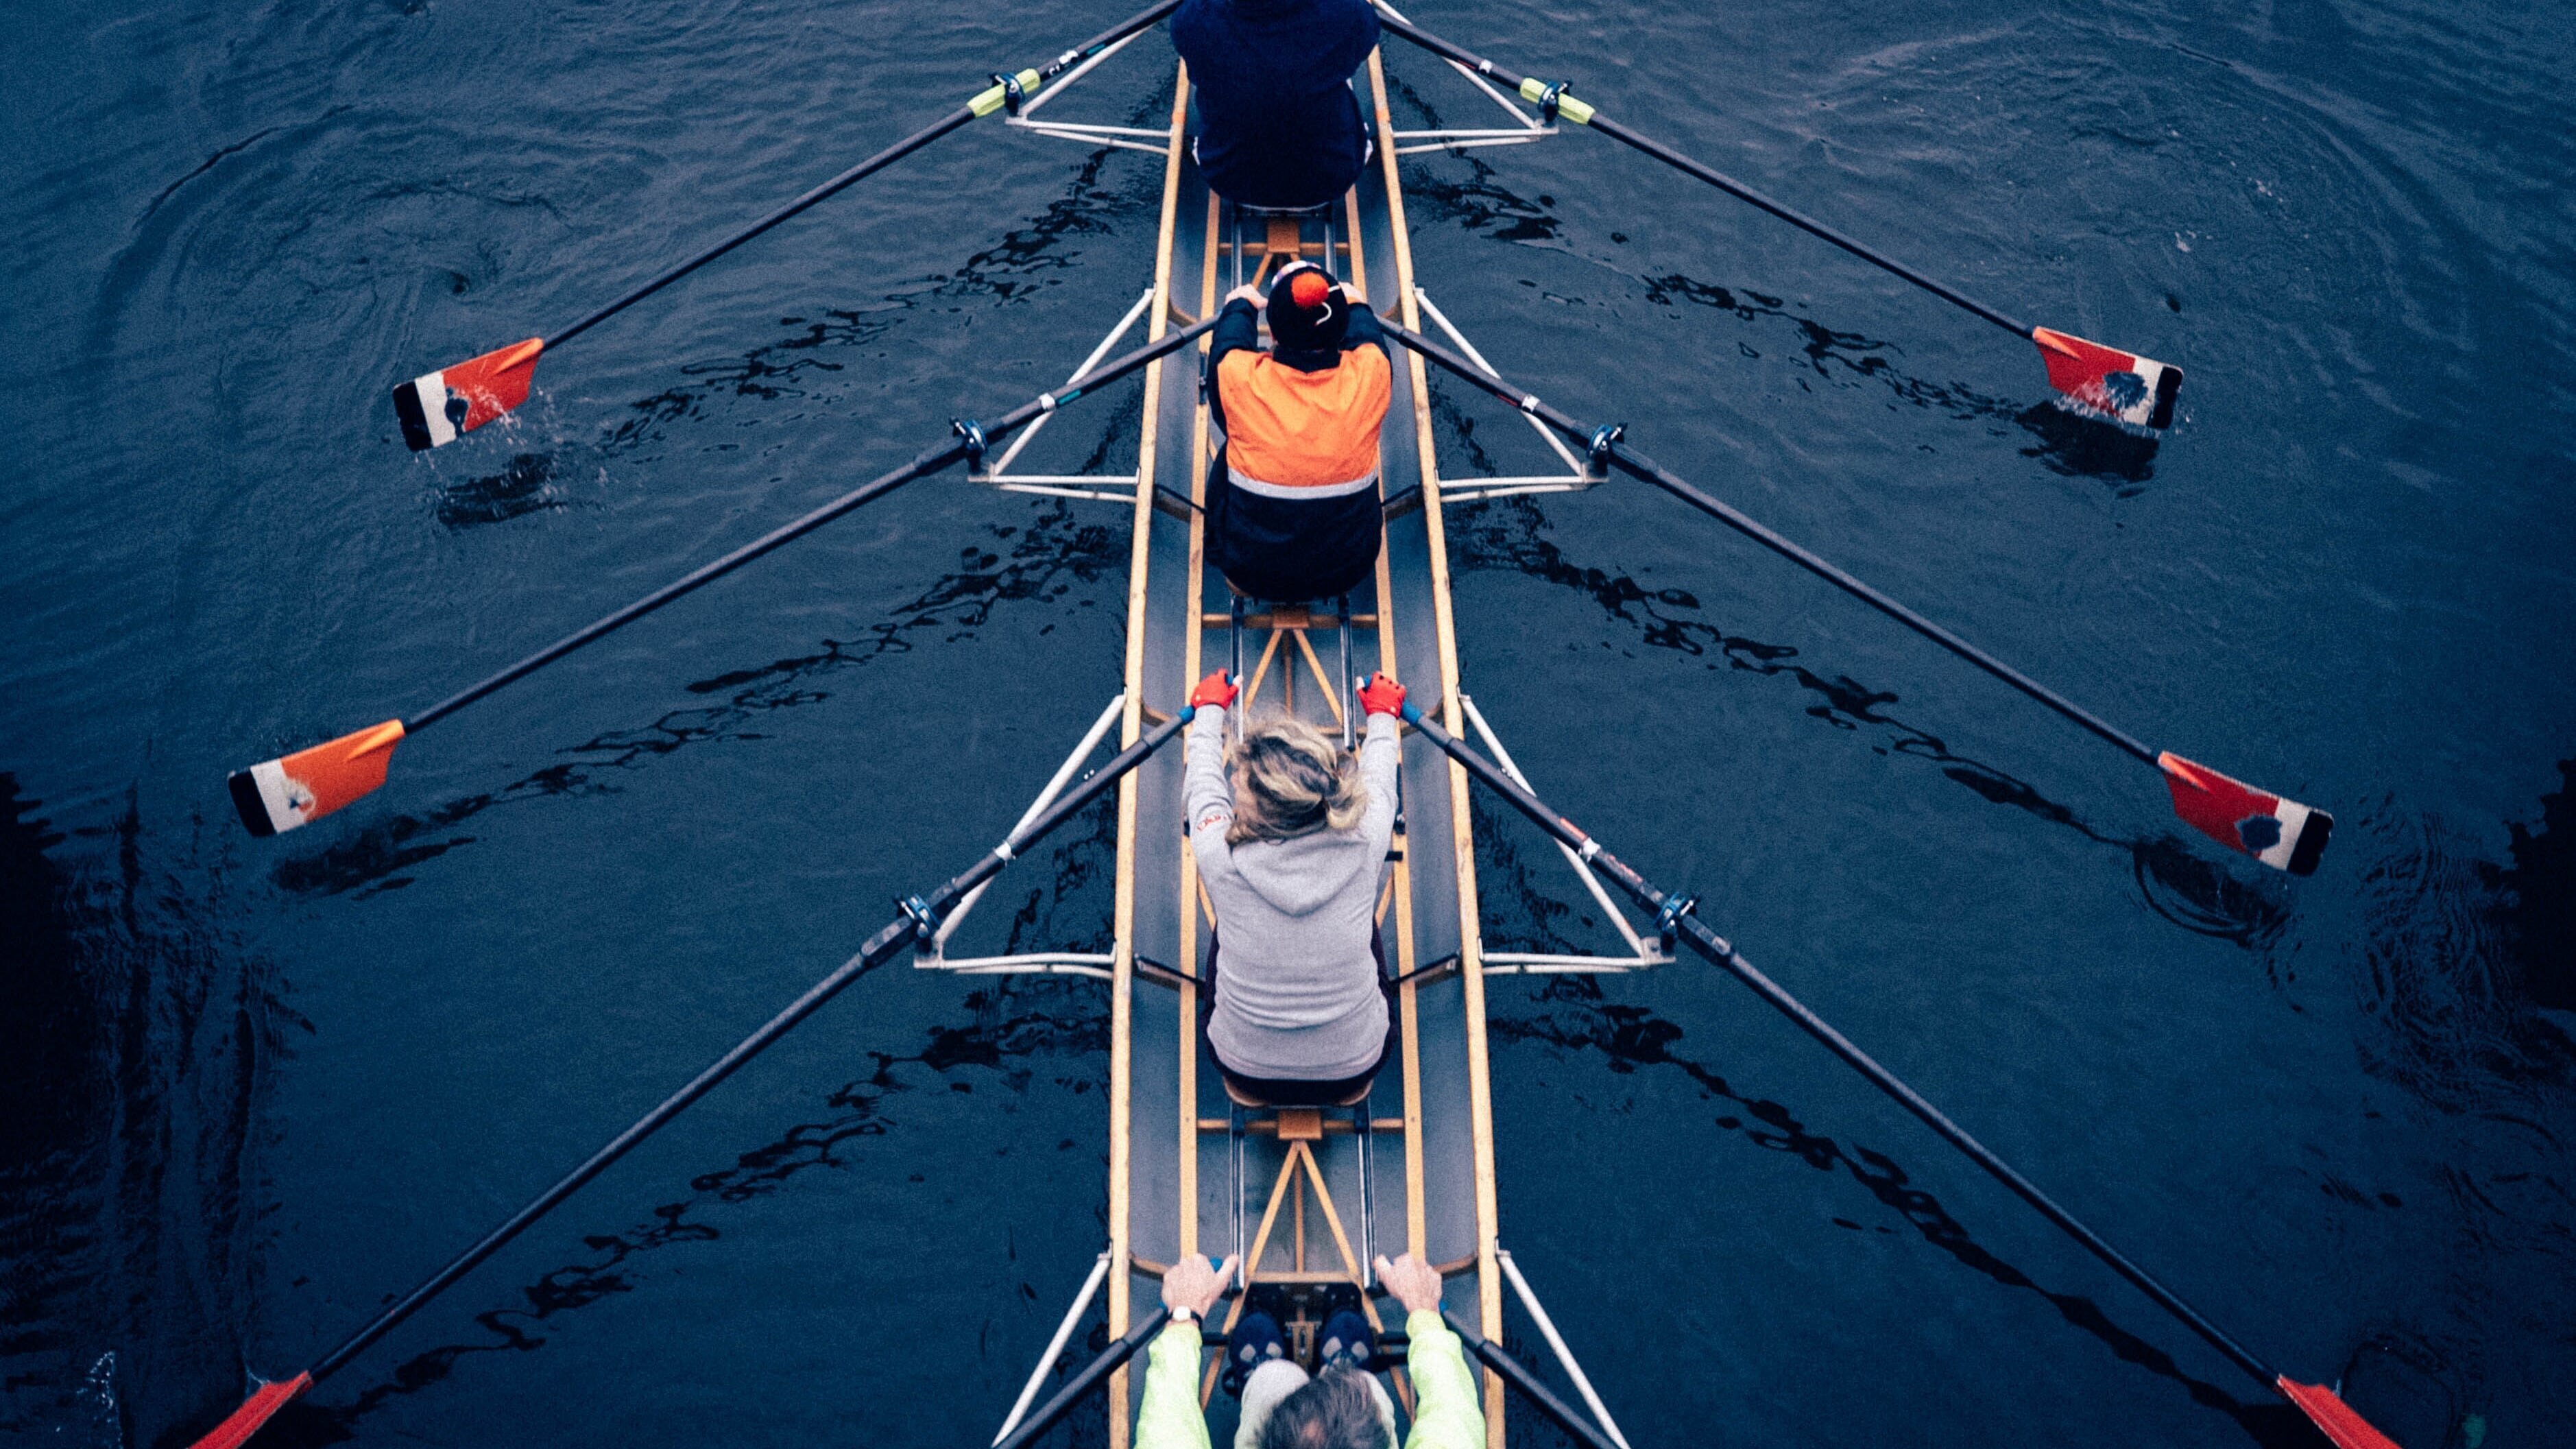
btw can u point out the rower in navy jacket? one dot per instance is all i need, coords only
(1293, 511)
(1279, 126)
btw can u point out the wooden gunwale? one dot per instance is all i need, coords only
(1122, 982)
(1161, 1206)
(1489, 1286)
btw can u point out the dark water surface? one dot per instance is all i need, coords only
(249, 1090)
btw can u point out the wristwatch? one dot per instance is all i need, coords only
(1184, 1315)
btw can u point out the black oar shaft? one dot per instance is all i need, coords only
(1638, 465)
(1810, 225)
(1517, 1374)
(824, 192)
(1084, 1382)
(878, 162)
(1716, 178)
(879, 948)
(1715, 947)
(930, 461)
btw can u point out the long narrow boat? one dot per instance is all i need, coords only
(1306, 1195)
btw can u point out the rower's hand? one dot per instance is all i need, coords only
(1413, 1282)
(1382, 695)
(1248, 292)
(1215, 690)
(1192, 1284)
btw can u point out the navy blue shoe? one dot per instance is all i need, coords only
(1348, 1342)
(1255, 1341)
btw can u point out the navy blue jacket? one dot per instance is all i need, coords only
(1278, 122)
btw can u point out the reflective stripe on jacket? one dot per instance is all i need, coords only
(1292, 496)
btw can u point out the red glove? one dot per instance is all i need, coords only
(1382, 695)
(1218, 690)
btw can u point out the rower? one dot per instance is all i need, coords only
(1290, 833)
(1343, 1406)
(1279, 126)
(1293, 509)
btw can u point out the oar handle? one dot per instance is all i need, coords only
(1085, 1381)
(968, 442)
(1607, 446)
(1512, 1371)
(1675, 915)
(1585, 115)
(918, 914)
(980, 106)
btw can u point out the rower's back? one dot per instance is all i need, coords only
(1294, 510)
(1279, 127)
(1290, 833)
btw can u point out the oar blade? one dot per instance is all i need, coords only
(297, 789)
(2279, 832)
(438, 407)
(2335, 1418)
(256, 1410)
(2121, 386)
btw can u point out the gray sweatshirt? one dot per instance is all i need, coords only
(1297, 995)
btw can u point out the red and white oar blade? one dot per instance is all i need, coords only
(256, 1410)
(2118, 385)
(2282, 834)
(300, 788)
(437, 406)
(2327, 1410)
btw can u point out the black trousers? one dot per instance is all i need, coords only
(1290, 550)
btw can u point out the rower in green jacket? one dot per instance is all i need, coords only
(1344, 1408)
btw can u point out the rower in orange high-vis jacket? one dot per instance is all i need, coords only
(1293, 510)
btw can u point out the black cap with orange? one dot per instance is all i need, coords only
(1308, 310)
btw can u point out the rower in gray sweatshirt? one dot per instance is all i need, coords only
(1291, 836)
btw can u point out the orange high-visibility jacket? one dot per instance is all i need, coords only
(1291, 433)
(1293, 506)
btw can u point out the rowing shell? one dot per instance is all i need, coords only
(1306, 1197)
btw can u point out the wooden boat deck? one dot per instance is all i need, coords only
(1431, 1185)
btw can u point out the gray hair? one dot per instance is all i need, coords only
(1337, 1411)
(1291, 779)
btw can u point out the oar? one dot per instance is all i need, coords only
(2103, 380)
(294, 790)
(2279, 832)
(1512, 1371)
(1673, 915)
(436, 407)
(1035, 1426)
(918, 920)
